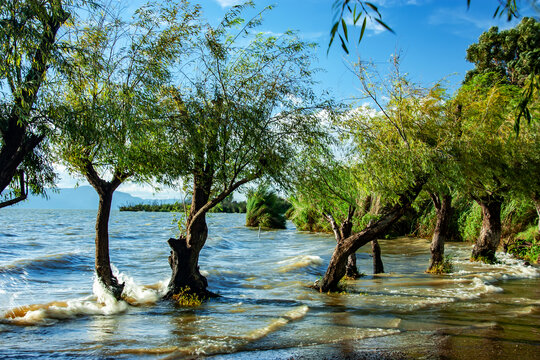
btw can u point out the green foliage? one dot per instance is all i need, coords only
(265, 209)
(186, 298)
(110, 99)
(526, 245)
(470, 222)
(30, 55)
(233, 117)
(514, 55)
(306, 217)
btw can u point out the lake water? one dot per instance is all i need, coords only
(266, 309)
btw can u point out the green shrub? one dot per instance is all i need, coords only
(265, 209)
(526, 245)
(305, 217)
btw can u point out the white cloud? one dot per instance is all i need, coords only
(229, 3)
(371, 24)
(458, 17)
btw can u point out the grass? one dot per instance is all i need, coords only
(187, 298)
(485, 259)
(444, 267)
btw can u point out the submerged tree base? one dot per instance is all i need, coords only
(487, 257)
(186, 278)
(442, 267)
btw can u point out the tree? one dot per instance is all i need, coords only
(484, 152)
(328, 184)
(243, 114)
(28, 48)
(394, 152)
(111, 128)
(514, 55)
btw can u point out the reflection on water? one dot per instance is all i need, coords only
(52, 306)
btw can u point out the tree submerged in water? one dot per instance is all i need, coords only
(265, 209)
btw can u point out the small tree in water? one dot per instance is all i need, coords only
(395, 153)
(245, 110)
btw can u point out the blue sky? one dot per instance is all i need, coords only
(432, 35)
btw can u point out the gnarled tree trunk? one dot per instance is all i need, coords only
(184, 258)
(443, 207)
(343, 232)
(337, 267)
(105, 190)
(490, 234)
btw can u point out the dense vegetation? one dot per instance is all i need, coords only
(166, 97)
(228, 205)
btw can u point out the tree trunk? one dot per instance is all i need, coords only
(184, 262)
(536, 200)
(346, 229)
(344, 232)
(184, 258)
(105, 190)
(378, 267)
(337, 267)
(443, 207)
(103, 263)
(490, 234)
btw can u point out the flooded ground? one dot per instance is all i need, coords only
(52, 307)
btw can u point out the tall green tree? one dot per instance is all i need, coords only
(328, 183)
(112, 127)
(245, 111)
(394, 153)
(28, 50)
(485, 151)
(514, 55)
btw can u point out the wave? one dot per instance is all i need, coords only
(299, 261)
(209, 345)
(49, 263)
(100, 303)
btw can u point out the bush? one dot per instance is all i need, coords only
(444, 267)
(265, 209)
(526, 245)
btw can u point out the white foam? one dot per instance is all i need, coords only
(299, 261)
